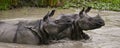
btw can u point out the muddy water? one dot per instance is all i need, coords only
(105, 37)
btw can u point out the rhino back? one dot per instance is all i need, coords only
(8, 29)
(24, 34)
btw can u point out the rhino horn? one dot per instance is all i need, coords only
(98, 14)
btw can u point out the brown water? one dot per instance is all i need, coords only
(105, 37)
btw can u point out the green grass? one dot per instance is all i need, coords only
(4, 4)
(10, 4)
(106, 4)
(96, 4)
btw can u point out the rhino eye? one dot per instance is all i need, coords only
(68, 21)
(56, 21)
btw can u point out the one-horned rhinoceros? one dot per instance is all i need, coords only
(32, 32)
(82, 21)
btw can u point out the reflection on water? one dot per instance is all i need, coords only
(69, 44)
(105, 37)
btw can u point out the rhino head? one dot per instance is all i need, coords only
(54, 26)
(82, 21)
(85, 21)
(88, 23)
(48, 28)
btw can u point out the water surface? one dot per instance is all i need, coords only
(105, 37)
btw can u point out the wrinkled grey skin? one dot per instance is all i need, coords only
(82, 21)
(32, 31)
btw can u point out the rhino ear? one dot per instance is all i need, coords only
(52, 13)
(88, 9)
(81, 13)
(49, 14)
(46, 17)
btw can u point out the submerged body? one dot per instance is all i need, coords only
(15, 31)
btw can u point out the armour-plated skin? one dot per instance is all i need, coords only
(40, 31)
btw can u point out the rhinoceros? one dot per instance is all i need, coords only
(82, 21)
(39, 31)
